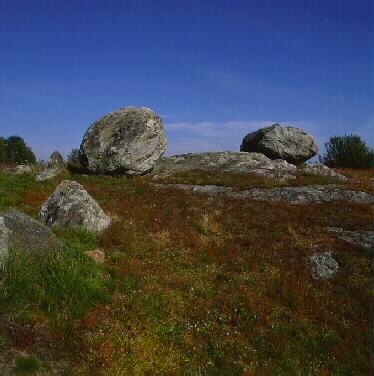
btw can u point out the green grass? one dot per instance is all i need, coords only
(63, 284)
(26, 365)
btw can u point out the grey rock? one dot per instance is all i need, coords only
(361, 237)
(294, 195)
(323, 265)
(128, 141)
(307, 194)
(19, 169)
(71, 206)
(225, 161)
(322, 170)
(47, 173)
(281, 142)
(53, 167)
(55, 160)
(20, 231)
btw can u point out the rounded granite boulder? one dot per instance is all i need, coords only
(126, 141)
(281, 142)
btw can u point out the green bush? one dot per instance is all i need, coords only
(347, 151)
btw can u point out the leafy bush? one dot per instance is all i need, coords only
(347, 151)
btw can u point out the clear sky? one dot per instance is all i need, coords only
(214, 70)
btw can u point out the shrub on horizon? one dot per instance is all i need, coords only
(348, 151)
(14, 149)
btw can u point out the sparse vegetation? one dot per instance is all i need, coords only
(196, 284)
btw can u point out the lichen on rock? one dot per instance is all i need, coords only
(127, 141)
(70, 205)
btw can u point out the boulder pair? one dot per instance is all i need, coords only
(131, 140)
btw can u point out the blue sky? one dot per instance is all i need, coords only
(214, 70)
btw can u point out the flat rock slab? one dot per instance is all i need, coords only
(363, 238)
(294, 195)
(27, 234)
(225, 161)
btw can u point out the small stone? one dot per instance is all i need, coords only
(323, 265)
(97, 255)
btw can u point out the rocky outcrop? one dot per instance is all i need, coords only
(322, 170)
(361, 237)
(323, 265)
(71, 206)
(294, 195)
(54, 166)
(281, 142)
(20, 231)
(225, 161)
(127, 141)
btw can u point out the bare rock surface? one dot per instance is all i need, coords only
(70, 205)
(295, 195)
(323, 265)
(128, 141)
(322, 170)
(20, 231)
(281, 142)
(225, 161)
(47, 173)
(362, 237)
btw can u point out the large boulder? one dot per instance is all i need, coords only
(225, 161)
(20, 231)
(70, 205)
(128, 141)
(281, 142)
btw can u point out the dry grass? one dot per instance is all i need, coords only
(218, 286)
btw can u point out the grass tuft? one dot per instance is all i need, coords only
(26, 365)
